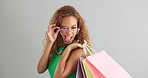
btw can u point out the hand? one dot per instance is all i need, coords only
(75, 45)
(52, 35)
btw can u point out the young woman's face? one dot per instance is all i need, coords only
(68, 29)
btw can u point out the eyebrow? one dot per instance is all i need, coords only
(66, 26)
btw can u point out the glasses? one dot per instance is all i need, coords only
(73, 29)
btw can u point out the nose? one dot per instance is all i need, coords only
(69, 32)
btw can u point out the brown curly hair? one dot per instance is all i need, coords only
(62, 12)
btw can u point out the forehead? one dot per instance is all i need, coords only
(69, 21)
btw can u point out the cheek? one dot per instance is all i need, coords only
(74, 34)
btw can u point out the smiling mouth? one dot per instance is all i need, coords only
(68, 38)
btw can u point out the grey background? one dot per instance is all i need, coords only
(116, 26)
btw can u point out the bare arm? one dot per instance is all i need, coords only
(42, 65)
(66, 66)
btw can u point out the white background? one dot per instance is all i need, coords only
(117, 26)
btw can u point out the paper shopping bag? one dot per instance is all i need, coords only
(87, 70)
(107, 66)
(80, 71)
(95, 72)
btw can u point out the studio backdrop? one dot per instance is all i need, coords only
(119, 27)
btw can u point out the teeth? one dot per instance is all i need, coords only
(68, 37)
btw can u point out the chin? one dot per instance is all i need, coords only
(67, 42)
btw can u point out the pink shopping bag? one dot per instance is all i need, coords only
(95, 72)
(101, 63)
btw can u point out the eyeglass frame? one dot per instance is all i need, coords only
(77, 30)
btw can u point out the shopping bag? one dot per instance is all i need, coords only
(88, 73)
(90, 70)
(95, 72)
(104, 64)
(80, 70)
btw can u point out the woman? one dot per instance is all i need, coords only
(63, 44)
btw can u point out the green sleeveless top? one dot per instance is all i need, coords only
(54, 62)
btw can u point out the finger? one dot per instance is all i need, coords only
(54, 25)
(55, 28)
(57, 31)
(47, 31)
(50, 27)
(77, 41)
(80, 45)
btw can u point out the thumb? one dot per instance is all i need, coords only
(57, 31)
(46, 31)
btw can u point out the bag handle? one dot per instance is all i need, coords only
(88, 50)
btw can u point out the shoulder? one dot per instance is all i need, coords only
(77, 52)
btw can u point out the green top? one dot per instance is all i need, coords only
(54, 62)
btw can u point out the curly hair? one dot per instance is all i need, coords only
(62, 12)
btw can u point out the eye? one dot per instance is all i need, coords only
(74, 27)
